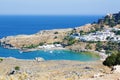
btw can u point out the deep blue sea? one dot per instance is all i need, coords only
(14, 25)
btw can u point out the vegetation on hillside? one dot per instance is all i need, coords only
(117, 32)
(112, 46)
(110, 20)
(32, 46)
(113, 49)
(56, 42)
(69, 40)
(99, 46)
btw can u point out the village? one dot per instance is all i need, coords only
(104, 35)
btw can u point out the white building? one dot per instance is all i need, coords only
(49, 46)
(116, 38)
(98, 36)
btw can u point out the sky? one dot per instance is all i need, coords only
(58, 7)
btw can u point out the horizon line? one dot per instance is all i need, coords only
(53, 14)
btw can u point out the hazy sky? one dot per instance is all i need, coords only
(58, 7)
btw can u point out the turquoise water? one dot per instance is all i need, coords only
(47, 55)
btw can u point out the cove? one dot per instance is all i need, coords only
(47, 55)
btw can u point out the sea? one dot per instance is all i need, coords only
(11, 25)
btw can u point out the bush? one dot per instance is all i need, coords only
(113, 59)
(112, 46)
(88, 46)
(56, 32)
(1, 59)
(41, 44)
(108, 51)
(69, 40)
(110, 61)
(56, 43)
(31, 46)
(99, 46)
(55, 37)
(118, 32)
(118, 59)
(82, 32)
(17, 68)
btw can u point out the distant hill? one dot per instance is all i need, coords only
(110, 20)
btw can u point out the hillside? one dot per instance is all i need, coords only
(46, 37)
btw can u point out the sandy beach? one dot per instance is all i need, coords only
(55, 70)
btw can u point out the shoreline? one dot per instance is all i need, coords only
(102, 56)
(36, 49)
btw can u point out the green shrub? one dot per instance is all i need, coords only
(56, 43)
(112, 46)
(1, 59)
(69, 40)
(118, 59)
(113, 59)
(88, 46)
(55, 37)
(17, 68)
(118, 32)
(31, 46)
(110, 60)
(99, 46)
(91, 42)
(82, 32)
(41, 44)
(56, 32)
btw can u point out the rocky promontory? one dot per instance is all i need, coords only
(46, 37)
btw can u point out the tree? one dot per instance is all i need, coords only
(110, 60)
(82, 32)
(118, 59)
(113, 59)
(118, 32)
(41, 43)
(108, 38)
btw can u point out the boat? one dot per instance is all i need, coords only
(51, 51)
